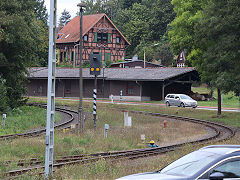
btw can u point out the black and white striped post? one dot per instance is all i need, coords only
(95, 69)
(95, 102)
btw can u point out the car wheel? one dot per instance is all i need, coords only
(167, 104)
(182, 105)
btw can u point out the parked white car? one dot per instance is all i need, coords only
(180, 100)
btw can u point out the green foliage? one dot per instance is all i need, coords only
(109, 7)
(108, 63)
(159, 50)
(141, 21)
(217, 37)
(209, 31)
(128, 3)
(86, 64)
(40, 11)
(77, 151)
(24, 118)
(20, 36)
(181, 30)
(3, 96)
(144, 23)
(64, 18)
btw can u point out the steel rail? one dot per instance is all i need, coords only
(137, 153)
(42, 130)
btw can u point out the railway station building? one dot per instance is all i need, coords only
(137, 84)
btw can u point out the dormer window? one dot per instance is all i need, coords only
(67, 36)
(85, 38)
(60, 35)
(118, 39)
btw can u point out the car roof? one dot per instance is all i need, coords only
(221, 149)
(177, 94)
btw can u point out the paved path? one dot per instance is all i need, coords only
(150, 104)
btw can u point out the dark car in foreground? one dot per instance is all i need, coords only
(215, 162)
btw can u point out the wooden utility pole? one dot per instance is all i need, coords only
(219, 102)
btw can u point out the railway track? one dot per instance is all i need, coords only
(71, 115)
(221, 132)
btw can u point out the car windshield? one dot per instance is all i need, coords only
(185, 97)
(190, 164)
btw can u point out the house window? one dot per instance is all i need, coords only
(118, 39)
(85, 38)
(130, 88)
(102, 37)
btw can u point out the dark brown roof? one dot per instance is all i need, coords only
(130, 74)
(70, 32)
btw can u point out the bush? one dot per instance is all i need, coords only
(3, 95)
(77, 151)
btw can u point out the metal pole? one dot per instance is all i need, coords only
(80, 108)
(239, 101)
(144, 58)
(49, 140)
(95, 102)
(103, 80)
(219, 102)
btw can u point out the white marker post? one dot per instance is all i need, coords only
(125, 118)
(4, 116)
(111, 97)
(106, 128)
(121, 95)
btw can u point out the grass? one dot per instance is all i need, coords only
(104, 169)
(24, 118)
(229, 100)
(119, 138)
(91, 141)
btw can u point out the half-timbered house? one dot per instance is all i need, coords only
(100, 36)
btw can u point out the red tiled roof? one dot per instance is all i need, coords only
(70, 32)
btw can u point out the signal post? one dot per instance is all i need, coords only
(95, 69)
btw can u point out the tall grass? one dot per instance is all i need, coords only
(24, 118)
(119, 138)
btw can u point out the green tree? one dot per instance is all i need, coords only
(109, 7)
(137, 27)
(163, 52)
(161, 14)
(181, 30)
(65, 18)
(217, 39)
(128, 3)
(3, 95)
(144, 23)
(18, 46)
(40, 11)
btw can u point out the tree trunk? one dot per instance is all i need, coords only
(219, 102)
(211, 92)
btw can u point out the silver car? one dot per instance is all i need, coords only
(180, 100)
(216, 162)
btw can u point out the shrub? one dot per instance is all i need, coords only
(3, 95)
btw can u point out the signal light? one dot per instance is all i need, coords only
(95, 64)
